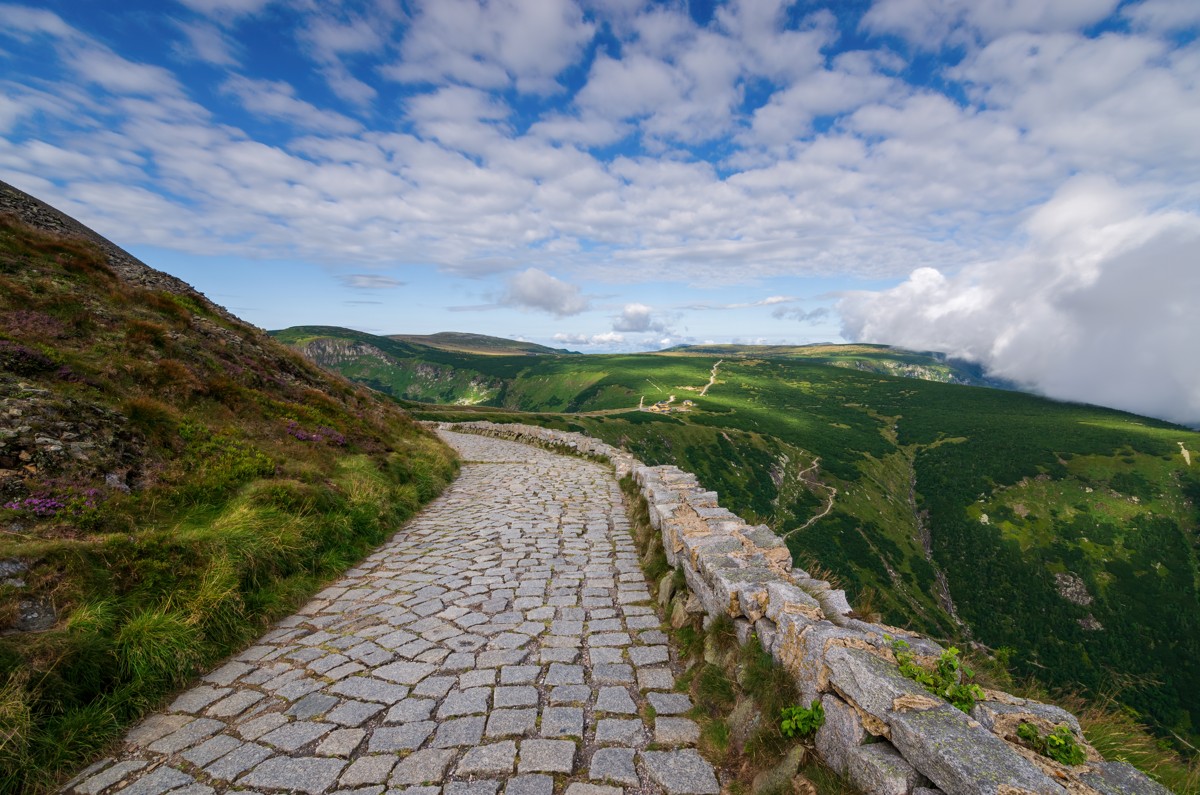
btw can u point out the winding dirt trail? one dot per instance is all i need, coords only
(712, 379)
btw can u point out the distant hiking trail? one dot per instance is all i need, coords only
(503, 642)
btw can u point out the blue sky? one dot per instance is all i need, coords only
(1013, 181)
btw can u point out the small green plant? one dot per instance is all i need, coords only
(800, 721)
(1059, 744)
(944, 680)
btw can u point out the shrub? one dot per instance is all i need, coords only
(798, 721)
(1059, 745)
(944, 680)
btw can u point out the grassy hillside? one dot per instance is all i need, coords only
(476, 343)
(1065, 538)
(171, 479)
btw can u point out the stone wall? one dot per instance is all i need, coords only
(884, 731)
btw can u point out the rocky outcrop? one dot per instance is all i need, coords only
(883, 730)
(330, 352)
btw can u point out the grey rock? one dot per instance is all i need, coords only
(842, 731)
(213, 748)
(369, 689)
(619, 731)
(476, 787)
(614, 764)
(682, 772)
(612, 673)
(570, 694)
(256, 727)
(312, 705)
(106, 778)
(427, 766)
(303, 774)
(408, 736)
(196, 699)
(562, 722)
(156, 782)
(410, 709)
(615, 699)
(353, 713)
(547, 756)
(669, 703)
(405, 673)
(373, 769)
(239, 759)
(879, 769)
(235, 704)
(1121, 778)
(515, 696)
(988, 712)
(341, 742)
(583, 788)
(187, 736)
(296, 735)
(676, 731)
(511, 722)
(655, 679)
(465, 702)
(496, 759)
(962, 757)
(536, 784)
(563, 674)
(459, 732)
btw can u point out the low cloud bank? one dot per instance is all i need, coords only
(1102, 306)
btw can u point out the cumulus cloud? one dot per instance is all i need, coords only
(206, 42)
(369, 281)
(931, 23)
(639, 318)
(1101, 307)
(606, 338)
(538, 290)
(276, 99)
(526, 43)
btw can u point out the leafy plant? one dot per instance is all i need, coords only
(1059, 744)
(800, 721)
(944, 680)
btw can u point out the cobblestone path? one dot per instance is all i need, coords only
(502, 642)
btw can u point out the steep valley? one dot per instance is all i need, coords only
(1060, 538)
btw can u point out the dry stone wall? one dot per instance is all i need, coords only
(883, 730)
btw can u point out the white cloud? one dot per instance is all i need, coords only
(206, 42)
(536, 289)
(932, 23)
(1101, 307)
(524, 43)
(226, 8)
(112, 72)
(370, 281)
(607, 338)
(639, 318)
(1162, 16)
(26, 20)
(276, 99)
(801, 315)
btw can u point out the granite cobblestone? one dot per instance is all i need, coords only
(501, 642)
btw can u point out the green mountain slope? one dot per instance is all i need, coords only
(1067, 536)
(881, 359)
(476, 343)
(171, 480)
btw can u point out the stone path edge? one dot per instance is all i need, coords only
(883, 731)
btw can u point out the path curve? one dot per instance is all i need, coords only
(502, 642)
